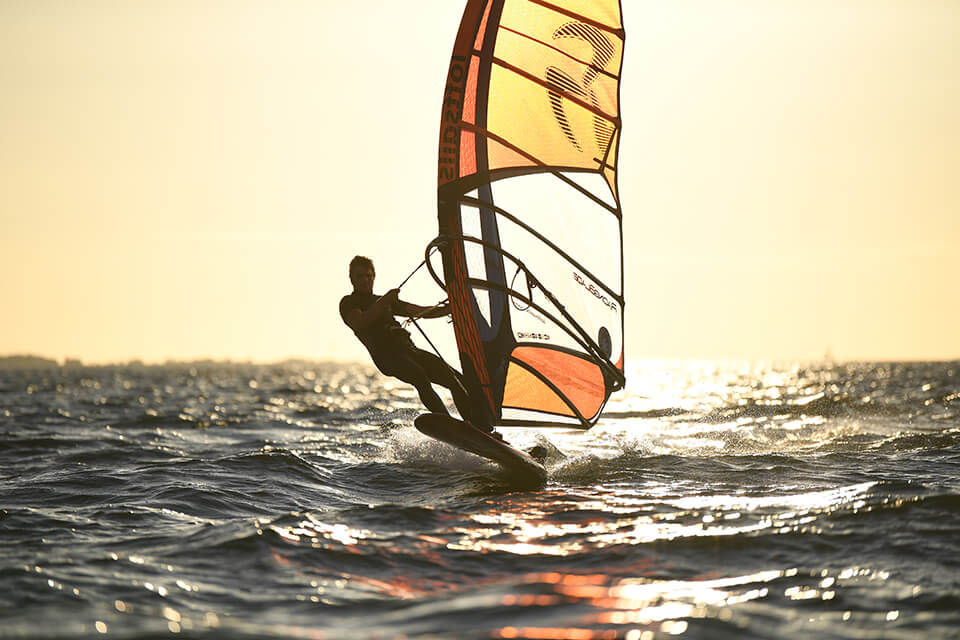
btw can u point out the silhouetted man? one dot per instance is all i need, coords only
(372, 319)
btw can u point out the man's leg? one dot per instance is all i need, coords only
(444, 375)
(405, 367)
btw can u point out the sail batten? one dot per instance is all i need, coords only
(527, 182)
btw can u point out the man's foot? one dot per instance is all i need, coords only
(481, 426)
(538, 453)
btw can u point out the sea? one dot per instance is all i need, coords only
(296, 500)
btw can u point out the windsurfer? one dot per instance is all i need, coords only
(371, 317)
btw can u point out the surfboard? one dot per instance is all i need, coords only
(522, 470)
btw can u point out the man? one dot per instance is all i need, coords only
(371, 318)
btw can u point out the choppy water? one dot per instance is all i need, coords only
(297, 501)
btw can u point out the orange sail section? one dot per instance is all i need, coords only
(526, 391)
(577, 379)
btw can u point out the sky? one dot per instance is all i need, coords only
(187, 179)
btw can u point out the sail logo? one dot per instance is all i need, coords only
(561, 84)
(522, 335)
(593, 290)
(449, 157)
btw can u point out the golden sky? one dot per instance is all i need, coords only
(189, 178)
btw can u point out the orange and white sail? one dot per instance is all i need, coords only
(530, 227)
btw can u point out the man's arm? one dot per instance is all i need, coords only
(411, 310)
(359, 320)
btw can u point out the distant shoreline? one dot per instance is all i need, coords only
(21, 362)
(28, 362)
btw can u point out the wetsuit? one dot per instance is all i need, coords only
(395, 355)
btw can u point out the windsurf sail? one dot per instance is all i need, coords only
(530, 224)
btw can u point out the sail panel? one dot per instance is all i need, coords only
(554, 70)
(470, 92)
(567, 218)
(578, 138)
(603, 14)
(468, 154)
(482, 30)
(501, 156)
(524, 390)
(590, 43)
(577, 379)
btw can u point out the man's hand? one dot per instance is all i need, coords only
(385, 304)
(390, 301)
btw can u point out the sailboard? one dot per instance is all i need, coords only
(530, 240)
(519, 467)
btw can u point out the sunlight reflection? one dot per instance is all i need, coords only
(710, 407)
(316, 531)
(629, 521)
(651, 605)
(556, 633)
(802, 502)
(648, 607)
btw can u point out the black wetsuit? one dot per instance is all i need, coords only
(395, 355)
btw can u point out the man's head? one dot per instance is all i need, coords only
(362, 274)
